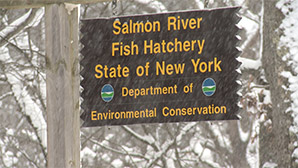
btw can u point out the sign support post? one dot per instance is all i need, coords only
(62, 70)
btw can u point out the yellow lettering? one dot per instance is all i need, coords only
(124, 91)
(148, 46)
(203, 64)
(93, 115)
(114, 48)
(168, 47)
(125, 28)
(159, 68)
(156, 24)
(171, 22)
(98, 70)
(146, 27)
(126, 50)
(163, 111)
(115, 26)
(192, 23)
(186, 46)
(199, 22)
(195, 64)
(125, 72)
(170, 69)
(138, 27)
(216, 65)
(201, 45)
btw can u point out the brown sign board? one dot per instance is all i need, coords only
(159, 68)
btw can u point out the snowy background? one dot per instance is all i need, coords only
(199, 144)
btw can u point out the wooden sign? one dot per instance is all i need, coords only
(168, 67)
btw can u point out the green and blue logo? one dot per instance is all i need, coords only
(107, 92)
(209, 87)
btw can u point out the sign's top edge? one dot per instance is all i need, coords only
(161, 13)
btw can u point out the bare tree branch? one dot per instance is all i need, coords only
(118, 151)
(140, 137)
(29, 122)
(168, 144)
(19, 28)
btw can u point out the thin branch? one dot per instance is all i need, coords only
(169, 144)
(178, 159)
(204, 147)
(30, 46)
(19, 28)
(29, 122)
(116, 150)
(130, 157)
(218, 148)
(5, 95)
(38, 93)
(27, 157)
(206, 2)
(145, 6)
(89, 137)
(140, 137)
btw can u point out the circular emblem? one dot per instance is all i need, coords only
(209, 87)
(107, 92)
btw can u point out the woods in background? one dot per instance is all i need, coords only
(266, 135)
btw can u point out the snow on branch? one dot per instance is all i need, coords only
(289, 41)
(107, 147)
(5, 95)
(166, 146)
(249, 63)
(28, 105)
(29, 19)
(146, 139)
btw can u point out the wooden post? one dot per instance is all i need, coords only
(62, 70)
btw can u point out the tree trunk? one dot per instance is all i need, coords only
(238, 156)
(274, 139)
